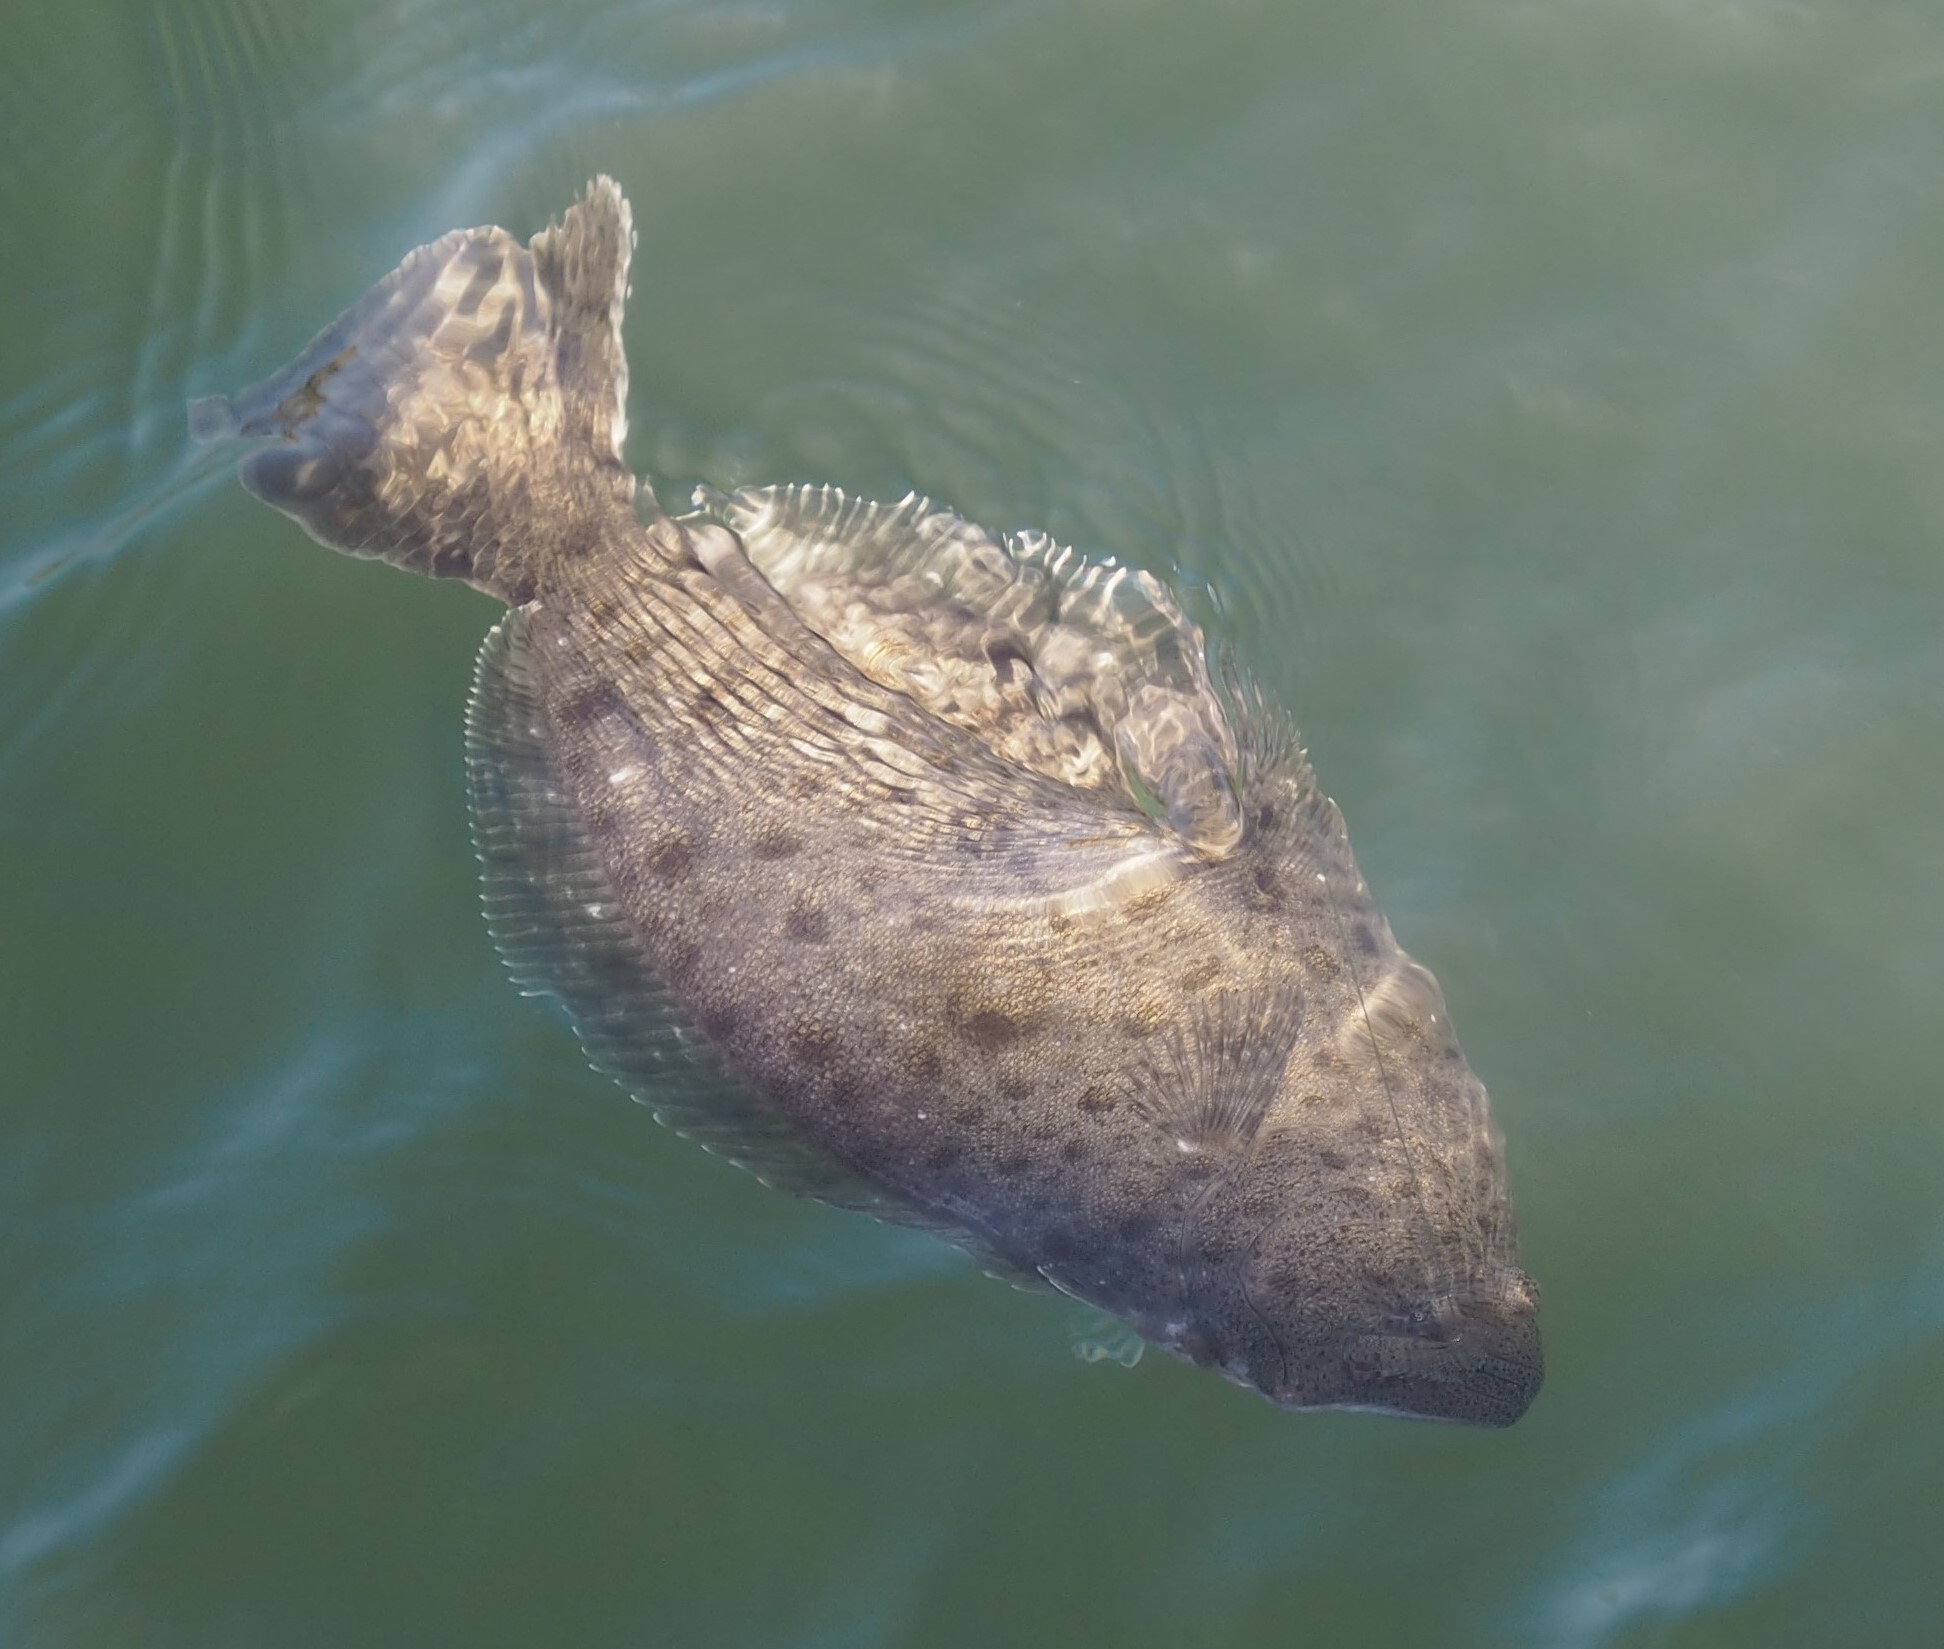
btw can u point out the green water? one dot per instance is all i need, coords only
(1552, 396)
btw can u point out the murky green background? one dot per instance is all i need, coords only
(1552, 393)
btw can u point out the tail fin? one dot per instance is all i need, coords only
(464, 412)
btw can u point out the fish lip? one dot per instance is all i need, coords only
(1491, 1394)
(1387, 1410)
(1480, 1365)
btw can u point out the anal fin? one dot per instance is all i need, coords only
(563, 931)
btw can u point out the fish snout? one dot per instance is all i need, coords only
(1474, 1357)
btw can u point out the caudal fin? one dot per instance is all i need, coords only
(465, 413)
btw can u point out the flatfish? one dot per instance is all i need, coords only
(933, 873)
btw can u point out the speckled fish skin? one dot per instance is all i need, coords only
(1068, 961)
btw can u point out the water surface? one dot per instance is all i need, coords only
(1550, 397)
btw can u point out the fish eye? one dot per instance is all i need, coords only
(1437, 1321)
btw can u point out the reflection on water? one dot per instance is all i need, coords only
(1547, 398)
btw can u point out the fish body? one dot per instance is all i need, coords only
(930, 873)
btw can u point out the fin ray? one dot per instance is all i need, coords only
(1212, 1082)
(562, 930)
(465, 400)
(1084, 672)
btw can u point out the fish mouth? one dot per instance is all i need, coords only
(1484, 1368)
(1472, 1358)
(1478, 1362)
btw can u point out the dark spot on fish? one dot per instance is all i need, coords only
(776, 843)
(1200, 976)
(967, 1116)
(1096, 1101)
(601, 610)
(810, 1042)
(1321, 961)
(1014, 1090)
(709, 708)
(485, 277)
(1266, 816)
(926, 1066)
(593, 702)
(679, 967)
(636, 650)
(991, 1030)
(1370, 1128)
(807, 923)
(1057, 1245)
(1014, 1163)
(1134, 1227)
(670, 857)
(1363, 938)
(1006, 658)
(801, 786)
(718, 1020)
(494, 347)
(1073, 1151)
(1332, 1159)
(942, 1157)
(1269, 889)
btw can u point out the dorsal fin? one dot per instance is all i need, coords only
(1082, 671)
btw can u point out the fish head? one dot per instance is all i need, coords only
(1353, 1245)
(1471, 1356)
(1315, 1326)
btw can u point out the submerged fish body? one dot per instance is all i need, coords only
(926, 872)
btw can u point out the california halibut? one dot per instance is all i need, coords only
(928, 872)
